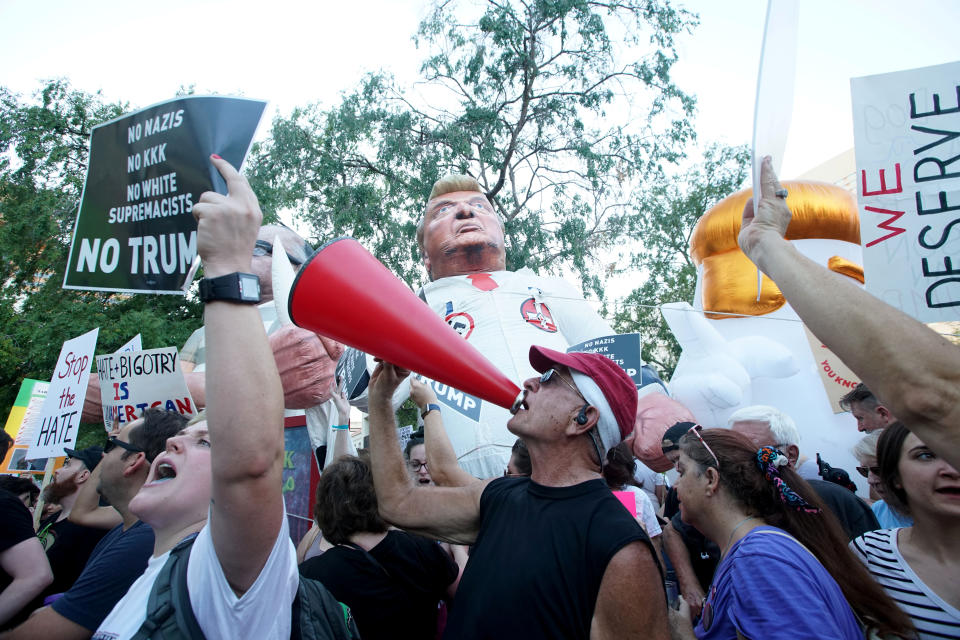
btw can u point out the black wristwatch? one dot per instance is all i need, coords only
(427, 409)
(233, 287)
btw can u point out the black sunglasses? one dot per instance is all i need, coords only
(113, 442)
(552, 374)
(865, 471)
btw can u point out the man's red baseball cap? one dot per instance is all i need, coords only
(617, 397)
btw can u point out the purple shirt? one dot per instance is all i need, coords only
(770, 586)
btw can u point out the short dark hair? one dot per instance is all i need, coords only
(671, 437)
(411, 443)
(619, 468)
(889, 447)
(861, 395)
(521, 457)
(5, 443)
(151, 436)
(347, 501)
(19, 484)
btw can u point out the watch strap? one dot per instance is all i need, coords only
(230, 288)
(427, 409)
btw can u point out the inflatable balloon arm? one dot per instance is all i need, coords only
(914, 371)
(716, 375)
(441, 459)
(307, 363)
(451, 514)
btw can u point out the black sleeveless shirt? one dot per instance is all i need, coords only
(536, 567)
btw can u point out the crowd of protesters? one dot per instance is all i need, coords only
(176, 529)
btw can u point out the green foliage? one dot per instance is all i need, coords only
(671, 209)
(533, 99)
(43, 157)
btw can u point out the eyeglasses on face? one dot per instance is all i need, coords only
(415, 466)
(695, 430)
(264, 248)
(553, 374)
(113, 442)
(866, 471)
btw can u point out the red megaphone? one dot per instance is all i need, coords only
(344, 293)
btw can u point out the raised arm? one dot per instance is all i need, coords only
(87, 511)
(441, 459)
(447, 513)
(912, 369)
(342, 444)
(244, 398)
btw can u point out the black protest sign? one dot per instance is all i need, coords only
(135, 229)
(352, 372)
(624, 349)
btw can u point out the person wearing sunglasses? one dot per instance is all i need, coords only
(865, 451)
(558, 541)
(121, 555)
(785, 569)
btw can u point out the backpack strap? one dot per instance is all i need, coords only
(169, 613)
(316, 614)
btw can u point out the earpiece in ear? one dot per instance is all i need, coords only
(582, 416)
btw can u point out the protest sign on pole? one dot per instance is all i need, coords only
(135, 230)
(23, 416)
(135, 380)
(57, 424)
(907, 144)
(135, 344)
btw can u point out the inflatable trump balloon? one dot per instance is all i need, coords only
(744, 347)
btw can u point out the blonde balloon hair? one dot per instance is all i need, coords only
(447, 184)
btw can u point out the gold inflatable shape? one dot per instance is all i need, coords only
(729, 279)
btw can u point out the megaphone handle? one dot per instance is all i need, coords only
(517, 403)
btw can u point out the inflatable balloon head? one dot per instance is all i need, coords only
(656, 413)
(460, 232)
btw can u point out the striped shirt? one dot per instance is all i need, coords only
(931, 615)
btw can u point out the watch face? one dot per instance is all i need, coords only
(249, 288)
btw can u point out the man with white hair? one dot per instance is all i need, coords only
(769, 427)
(755, 420)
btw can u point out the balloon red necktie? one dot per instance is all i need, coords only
(483, 281)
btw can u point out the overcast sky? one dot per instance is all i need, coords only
(293, 53)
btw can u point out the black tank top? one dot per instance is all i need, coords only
(538, 561)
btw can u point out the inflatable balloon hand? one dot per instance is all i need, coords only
(92, 403)
(655, 414)
(716, 375)
(307, 363)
